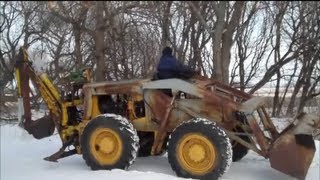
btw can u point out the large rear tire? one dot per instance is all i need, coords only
(108, 142)
(199, 149)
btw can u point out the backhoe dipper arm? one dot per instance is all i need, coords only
(22, 77)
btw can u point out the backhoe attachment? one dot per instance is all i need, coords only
(42, 127)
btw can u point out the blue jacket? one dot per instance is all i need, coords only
(170, 67)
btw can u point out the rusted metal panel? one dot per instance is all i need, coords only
(87, 103)
(177, 117)
(259, 135)
(292, 154)
(22, 66)
(273, 132)
(229, 89)
(200, 108)
(157, 102)
(119, 87)
(175, 84)
(225, 107)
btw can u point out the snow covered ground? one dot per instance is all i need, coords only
(22, 158)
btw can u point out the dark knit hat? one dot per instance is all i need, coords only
(167, 50)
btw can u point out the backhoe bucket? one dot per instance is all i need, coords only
(41, 128)
(292, 154)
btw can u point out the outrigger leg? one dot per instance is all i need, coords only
(62, 153)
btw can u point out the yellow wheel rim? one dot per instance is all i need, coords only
(106, 146)
(196, 154)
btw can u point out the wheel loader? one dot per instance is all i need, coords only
(202, 124)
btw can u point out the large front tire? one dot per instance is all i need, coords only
(199, 149)
(109, 142)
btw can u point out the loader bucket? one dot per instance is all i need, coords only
(292, 154)
(41, 128)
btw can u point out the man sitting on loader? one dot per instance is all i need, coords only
(170, 67)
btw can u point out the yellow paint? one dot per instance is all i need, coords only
(67, 132)
(144, 124)
(50, 86)
(74, 102)
(78, 149)
(196, 154)
(48, 98)
(18, 81)
(87, 74)
(95, 107)
(106, 146)
(137, 97)
(64, 119)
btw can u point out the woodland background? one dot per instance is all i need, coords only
(250, 45)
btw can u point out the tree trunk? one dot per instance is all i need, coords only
(277, 58)
(224, 39)
(286, 90)
(275, 106)
(99, 42)
(165, 39)
(77, 45)
(217, 40)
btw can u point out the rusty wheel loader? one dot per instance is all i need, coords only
(203, 124)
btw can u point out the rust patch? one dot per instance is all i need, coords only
(22, 66)
(159, 102)
(223, 106)
(258, 133)
(87, 103)
(292, 154)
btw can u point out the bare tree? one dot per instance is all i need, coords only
(308, 79)
(267, 42)
(21, 26)
(224, 29)
(249, 48)
(281, 8)
(291, 53)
